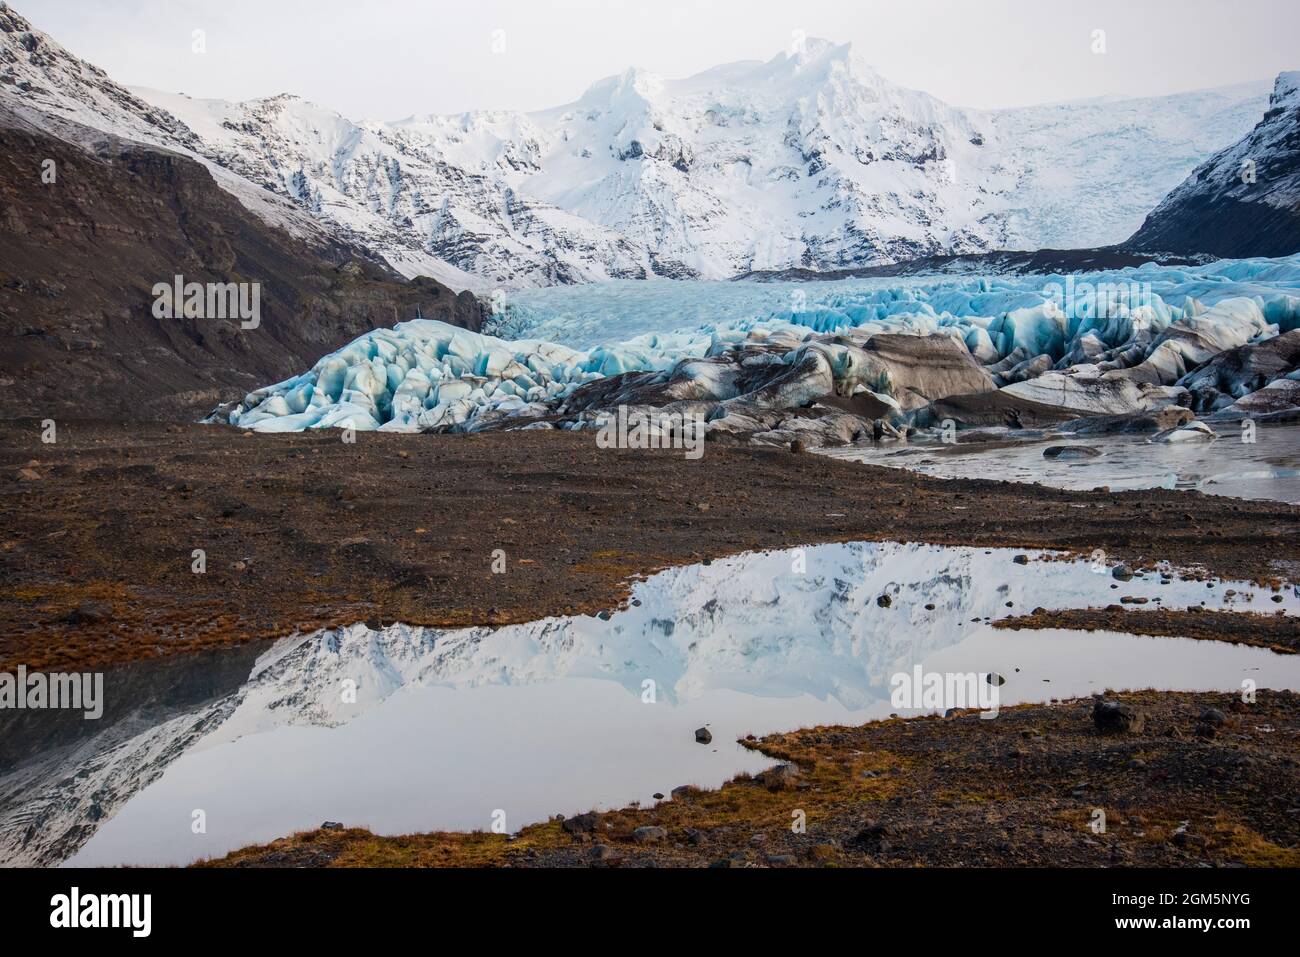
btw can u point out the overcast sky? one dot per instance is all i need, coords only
(385, 59)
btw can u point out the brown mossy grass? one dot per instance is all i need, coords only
(828, 783)
(1221, 834)
(1246, 845)
(961, 791)
(849, 778)
(1273, 630)
(119, 508)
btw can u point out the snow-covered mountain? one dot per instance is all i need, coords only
(67, 97)
(1244, 200)
(810, 159)
(435, 196)
(1094, 169)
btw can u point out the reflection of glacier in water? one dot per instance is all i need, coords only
(448, 727)
(1268, 468)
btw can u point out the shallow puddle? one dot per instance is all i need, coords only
(414, 729)
(1268, 468)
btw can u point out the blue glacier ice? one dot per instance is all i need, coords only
(426, 375)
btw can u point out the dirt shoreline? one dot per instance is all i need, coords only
(302, 531)
(1278, 632)
(1207, 781)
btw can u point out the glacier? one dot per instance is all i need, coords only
(1149, 327)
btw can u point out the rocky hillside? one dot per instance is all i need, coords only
(1243, 201)
(79, 257)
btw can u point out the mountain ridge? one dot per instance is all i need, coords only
(1244, 200)
(810, 160)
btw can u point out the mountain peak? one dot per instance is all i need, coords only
(11, 21)
(44, 76)
(1286, 91)
(812, 59)
(633, 84)
(805, 50)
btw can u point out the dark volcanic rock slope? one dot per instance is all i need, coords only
(79, 257)
(1243, 201)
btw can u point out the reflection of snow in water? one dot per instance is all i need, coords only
(447, 727)
(1268, 468)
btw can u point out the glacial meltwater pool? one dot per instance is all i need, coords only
(413, 729)
(1267, 468)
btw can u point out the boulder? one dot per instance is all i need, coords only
(779, 778)
(1191, 432)
(1067, 452)
(993, 409)
(581, 823)
(1158, 420)
(649, 834)
(1113, 717)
